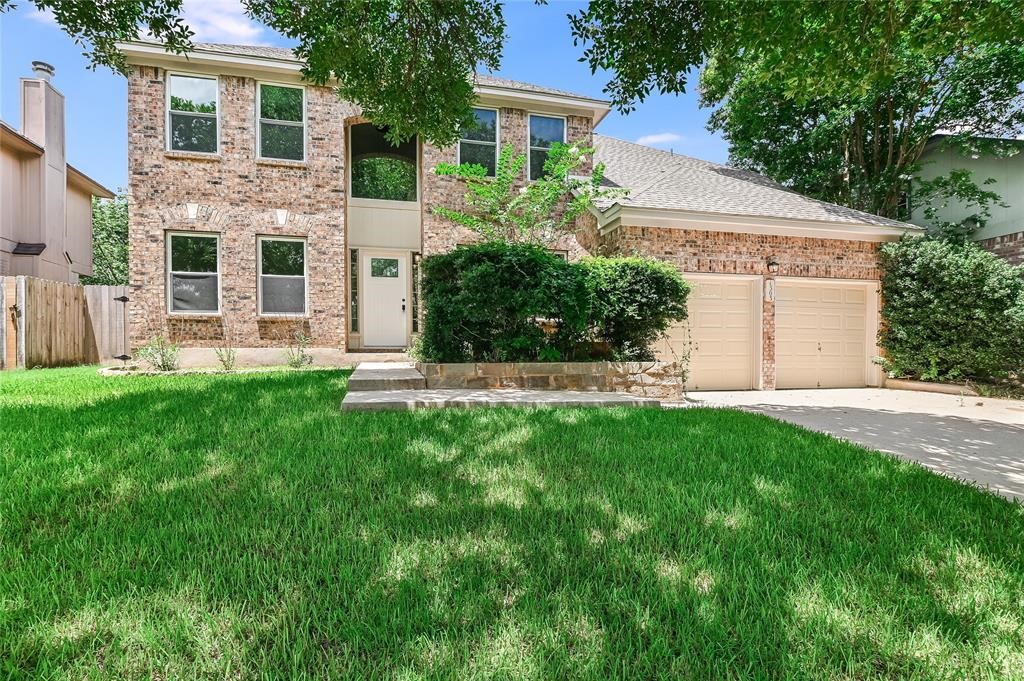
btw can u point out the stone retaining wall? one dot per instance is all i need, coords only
(662, 380)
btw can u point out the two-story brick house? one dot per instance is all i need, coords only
(261, 205)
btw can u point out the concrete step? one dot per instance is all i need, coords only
(407, 400)
(383, 376)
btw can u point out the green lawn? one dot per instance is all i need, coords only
(238, 527)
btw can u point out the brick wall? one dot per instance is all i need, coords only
(1010, 247)
(237, 197)
(736, 253)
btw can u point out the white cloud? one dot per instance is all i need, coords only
(659, 138)
(222, 21)
(42, 16)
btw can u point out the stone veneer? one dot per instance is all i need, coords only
(237, 196)
(1009, 247)
(649, 379)
(702, 252)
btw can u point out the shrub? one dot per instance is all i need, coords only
(228, 357)
(484, 303)
(160, 354)
(296, 355)
(517, 302)
(952, 311)
(634, 301)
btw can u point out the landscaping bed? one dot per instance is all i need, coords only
(241, 526)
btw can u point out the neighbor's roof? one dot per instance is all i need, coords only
(285, 54)
(663, 180)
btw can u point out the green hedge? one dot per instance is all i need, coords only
(952, 311)
(498, 302)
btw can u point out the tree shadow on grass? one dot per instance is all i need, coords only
(210, 527)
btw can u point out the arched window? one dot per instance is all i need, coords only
(381, 170)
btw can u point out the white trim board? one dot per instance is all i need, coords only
(624, 216)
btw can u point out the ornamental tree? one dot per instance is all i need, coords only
(503, 208)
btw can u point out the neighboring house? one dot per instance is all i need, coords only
(46, 204)
(261, 205)
(1003, 232)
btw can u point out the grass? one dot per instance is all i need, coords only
(242, 526)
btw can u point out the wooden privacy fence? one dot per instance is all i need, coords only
(50, 323)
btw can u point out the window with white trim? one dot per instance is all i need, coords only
(478, 142)
(192, 113)
(282, 130)
(193, 273)
(282, 275)
(545, 131)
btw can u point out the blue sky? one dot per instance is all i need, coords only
(539, 50)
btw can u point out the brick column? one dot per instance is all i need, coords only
(768, 334)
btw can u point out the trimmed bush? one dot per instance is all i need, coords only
(634, 300)
(952, 311)
(484, 303)
(499, 302)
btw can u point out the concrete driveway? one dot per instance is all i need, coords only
(976, 439)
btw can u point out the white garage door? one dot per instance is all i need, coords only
(720, 333)
(821, 334)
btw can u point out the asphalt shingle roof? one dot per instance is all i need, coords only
(484, 79)
(664, 180)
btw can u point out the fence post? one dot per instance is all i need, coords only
(19, 320)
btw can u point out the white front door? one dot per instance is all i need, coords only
(385, 276)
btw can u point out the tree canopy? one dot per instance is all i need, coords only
(835, 98)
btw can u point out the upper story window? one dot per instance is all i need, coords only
(193, 273)
(544, 131)
(192, 113)
(282, 275)
(381, 170)
(478, 142)
(282, 132)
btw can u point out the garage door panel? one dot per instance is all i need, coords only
(820, 338)
(720, 336)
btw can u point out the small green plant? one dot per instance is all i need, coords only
(228, 357)
(297, 354)
(502, 208)
(160, 354)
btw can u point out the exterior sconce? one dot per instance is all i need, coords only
(773, 265)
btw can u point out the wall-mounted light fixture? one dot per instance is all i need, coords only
(773, 265)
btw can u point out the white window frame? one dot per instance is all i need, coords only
(497, 139)
(167, 111)
(259, 276)
(170, 273)
(530, 147)
(260, 120)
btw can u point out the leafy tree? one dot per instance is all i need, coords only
(98, 26)
(384, 177)
(836, 99)
(407, 63)
(109, 242)
(502, 208)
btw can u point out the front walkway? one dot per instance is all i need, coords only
(977, 439)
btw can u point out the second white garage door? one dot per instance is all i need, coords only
(720, 334)
(821, 333)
